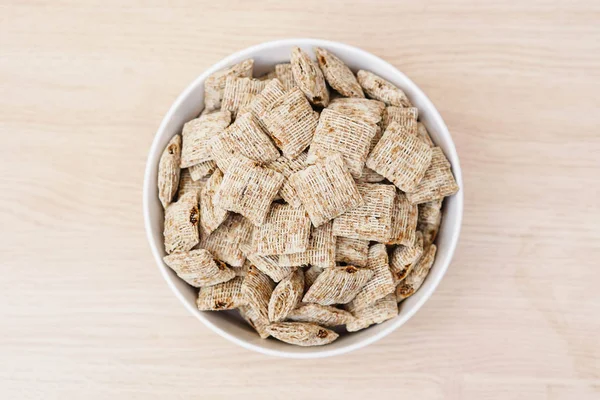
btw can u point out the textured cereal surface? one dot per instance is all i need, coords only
(438, 181)
(285, 230)
(337, 74)
(211, 214)
(320, 251)
(352, 251)
(327, 316)
(404, 221)
(169, 171)
(302, 333)
(222, 296)
(286, 296)
(382, 310)
(379, 89)
(337, 285)
(257, 288)
(403, 258)
(214, 85)
(416, 277)
(181, 224)
(309, 78)
(196, 135)
(225, 242)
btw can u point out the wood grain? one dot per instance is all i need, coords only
(84, 311)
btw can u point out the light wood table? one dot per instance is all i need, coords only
(84, 311)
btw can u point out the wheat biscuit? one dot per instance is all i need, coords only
(320, 251)
(198, 268)
(438, 181)
(169, 171)
(286, 296)
(416, 277)
(187, 184)
(287, 167)
(285, 230)
(352, 251)
(337, 74)
(284, 73)
(181, 224)
(301, 333)
(310, 275)
(404, 221)
(379, 89)
(257, 288)
(225, 241)
(258, 323)
(366, 110)
(424, 134)
(202, 170)
(263, 102)
(267, 264)
(222, 296)
(327, 316)
(382, 310)
(309, 78)
(239, 92)
(402, 115)
(211, 214)
(337, 285)
(196, 135)
(214, 86)
(403, 258)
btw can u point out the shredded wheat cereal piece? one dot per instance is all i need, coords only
(404, 221)
(310, 275)
(263, 102)
(320, 251)
(253, 319)
(379, 89)
(222, 296)
(267, 264)
(309, 78)
(366, 110)
(224, 242)
(287, 167)
(403, 116)
(327, 316)
(286, 296)
(369, 175)
(337, 74)
(285, 75)
(382, 310)
(239, 92)
(214, 86)
(181, 224)
(337, 285)
(257, 289)
(373, 219)
(338, 133)
(326, 189)
(243, 270)
(352, 251)
(249, 189)
(380, 285)
(268, 76)
(401, 157)
(424, 134)
(302, 333)
(168, 171)
(285, 230)
(202, 169)
(403, 258)
(187, 184)
(211, 214)
(417, 276)
(430, 218)
(291, 122)
(196, 135)
(438, 181)
(198, 268)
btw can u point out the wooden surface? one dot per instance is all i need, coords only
(84, 311)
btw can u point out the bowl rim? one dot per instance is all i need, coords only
(322, 352)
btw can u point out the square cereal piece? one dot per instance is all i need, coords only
(211, 214)
(403, 116)
(373, 219)
(401, 157)
(255, 320)
(285, 76)
(320, 251)
(285, 230)
(326, 189)
(267, 264)
(291, 123)
(438, 181)
(239, 92)
(366, 110)
(202, 169)
(382, 310)
(338, 133)
(243, 137)
(248, 188)
(169, 171)
(187, 184)
(257, 288)
(380, 285)
(286, 296)
(352, 251)
(214, 85)
(379, 89)
(287, 167)
(430, 218)
(263, 102)
(198, 268)
(181, 224)
(403, 258)
(416, 277)
(309, 78)
(404, 221)
(301, 333)
(424, 134)
(225, 241)
(337, 74)
(196, 135)
(223, 296)
(337, 285)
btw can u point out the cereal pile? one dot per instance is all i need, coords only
(308, 198)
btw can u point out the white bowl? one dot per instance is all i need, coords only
(189, 104)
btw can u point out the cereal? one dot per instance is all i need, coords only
(196, 135)
(211, 214)
(267, 264)
(403, 258)
(248, 189)
(339, 133)
(310, 275)
(263, 102)
(320, 251)
(438, 181)
(417, 276)
(379, 89)
(327, 316)
(381, 283)
(187, 184)
(258, 323)
(286, 296)
(401, 157)
(257, 289)
(404, 221)
(198, 268)
(214, 85)
(366, 110)
(181, 224)
(373, 219)
(285, 75)
(352, 251)
(403, 116)
(430, 217)
(326, 189)
(225, 241)
(301, 333)
(240, 92)
(309, 78)
(337, 285)
(222, 296)
(202, 169)
(287, 167)
(382, 310)
(168, 171)
(424, 134)
(285, 230)
(337, 74)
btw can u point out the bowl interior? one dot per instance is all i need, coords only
(190, 104)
